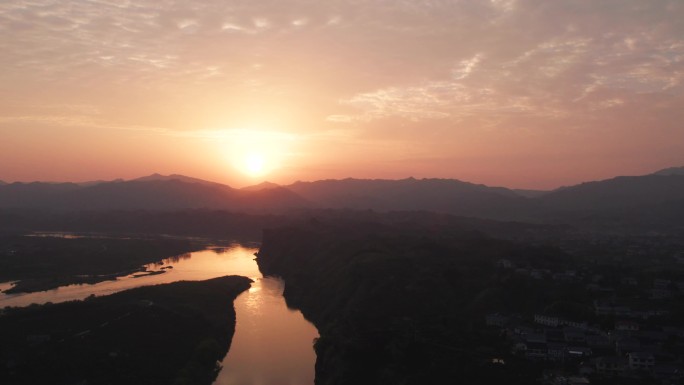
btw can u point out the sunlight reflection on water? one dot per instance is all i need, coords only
(200, 265)
(272, 345)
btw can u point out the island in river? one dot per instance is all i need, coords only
(175, 333)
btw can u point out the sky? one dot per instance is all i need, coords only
(518, 93)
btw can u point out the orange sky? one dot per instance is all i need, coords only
(520, 93)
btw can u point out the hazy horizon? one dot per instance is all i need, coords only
(255, 182)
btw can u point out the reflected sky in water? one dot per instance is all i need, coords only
(272, 345)
(200, 265)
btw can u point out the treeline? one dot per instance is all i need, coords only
(165, 334)
(42, 263)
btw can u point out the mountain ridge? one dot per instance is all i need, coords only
(619, 201)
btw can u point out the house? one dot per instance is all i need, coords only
(680, 286)
(586, 369)
(672, 372)
(641, 360)
(661, 284)
(536, 351)
(626, 345)
(611, 308)
(578, 325)
(578, 352)
(598, 341)
(574, 335)
(577, 380)
(674, 331)
(563, 277)
(537, 274)
(556, 351)
(546, 320)
(535, 337)
(611, 366)
(496, 319)
(505, 264)
(626, 325)
(660, 293)
(35, 339)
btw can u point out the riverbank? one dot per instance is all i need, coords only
(166, 334)
(44, 263)
(395, 304)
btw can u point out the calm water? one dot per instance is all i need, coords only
(272, 345)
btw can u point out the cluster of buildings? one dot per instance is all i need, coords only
(625, 351)
(630, 337)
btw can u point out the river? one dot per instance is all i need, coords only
(272, 345)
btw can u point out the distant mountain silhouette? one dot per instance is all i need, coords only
(624, 192)
(2, 183)
(33, 195)
(261, 186)
(182, 178)
(650, 201)
(442, 195)
(94, 182)
(163, 194)
(670, 171)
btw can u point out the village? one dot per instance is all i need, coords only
(622, 326)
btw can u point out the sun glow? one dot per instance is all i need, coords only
(254, 164)
(255, 153)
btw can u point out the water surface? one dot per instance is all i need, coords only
(272, 345)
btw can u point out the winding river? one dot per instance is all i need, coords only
(272, 345)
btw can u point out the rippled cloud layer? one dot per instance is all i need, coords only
(437, 84)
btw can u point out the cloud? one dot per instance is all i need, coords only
(373, 66)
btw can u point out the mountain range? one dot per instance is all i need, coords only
(660, 194)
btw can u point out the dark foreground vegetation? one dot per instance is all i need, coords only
(43, 263)
(397, 305)
(404, 302)
(166, 334)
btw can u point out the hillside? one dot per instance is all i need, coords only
(397, 304)
(670, 171)
(440, 195)
(623, 192)
(635, 203)
(150, 193)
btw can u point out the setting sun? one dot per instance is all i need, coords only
(254, 165)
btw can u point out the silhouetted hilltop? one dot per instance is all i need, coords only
(261, 186)
(442, 195)
(167, 193)
(96, 182)
(670, 171)
(181, 178)
(621, 192)
(159, 195)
